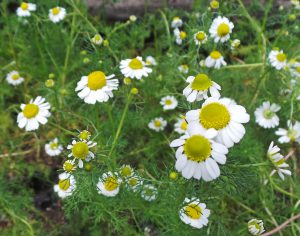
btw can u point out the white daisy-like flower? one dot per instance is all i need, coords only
(176, 22)
(109, 184)
(149, 192)
(220, 29)
(66, 185)
(57, 14)
(134, 68)
(215, 59)
(180, 126)
(169, 102)
(198, 154)
(126, 171)
(150, 61)
(25, 8)
(81, 151)
(184, 68)
(96, 87)
(223, 115)
(296, 4)
(157, 124)
(69, 166)
(291, 134)
(199, 86)
(235, 44)
(256, 227)
(265, 115)
(200, 38)
(134, 182)
(295, 69)
(34, 113)
(14, 78)
(97, 39)
(278, 161)
(84, 135)
(278, 59)
(53, 148)
(179, 36)
(194, 213)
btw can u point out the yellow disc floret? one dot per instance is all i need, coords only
(80, 150)
(223, 29)
(111, 183)
(201, 82)
(281, 57)
(214, 115)
(64, 184)
(182, 34)
(55, 11)
(24, 6)
(157, 123)
(126, 171)
(183, 125)
(96, 80)
(68, 166)
(30, 110)
(133, 182)
(193, 211)
(53, 146)
(200, 36)
(135, 64)
(197, 148)
(15, 76)
(215, 55)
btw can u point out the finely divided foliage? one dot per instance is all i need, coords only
(172, 123)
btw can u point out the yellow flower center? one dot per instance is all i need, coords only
(281, 57)
(84, 135)
(30, 110)
(157, 123)
(24, 6)
(126, 171)
(80, 150)
(298, 69)
(197, 148)
(96, 80)
(53, 146)
(184, 67)
(136, 64)
(182, 34)
(132, 181)
(193, 211)
(15, 76)
(215, 55)
(183, 125)
(176, 18)
(214, 4)
(55, 11)
(223, 30)
(111, 183)
(201, 82)
(97, 37)
(64, 184)
(168, 102)
(214, 115)
(200, 36)
(69, 167)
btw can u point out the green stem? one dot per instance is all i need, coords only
(242, 66)
(282, 190)
(167, 28)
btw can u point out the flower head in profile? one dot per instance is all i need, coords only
(295, 69)
(291, 134)
(184, 68)
(169, 102)
(97, 39)
(135, 68)
(81, 151)
(265, 115)
(200, 38)
(53, 148)
(149, 192)
(57, 14)
(277, 59)
(199, 86)
(96, 87)
(215, 60)
(220, 29)
(180, 36)
(150, 61)
(176, 22)
(181, 125)
(25, 9)
(235, 44)
(256, 227)
(33, 114)
(14, 78)
(109, 184)
(157, 124)
(66, 185)
(194, 213)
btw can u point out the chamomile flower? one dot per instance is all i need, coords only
(291, 134)
(157, 124)
(109, 184)
(134, 182)
(34, 113)
(149, 192)
(150, 61)
(278, 160)
(181, 126)
(81, 151)
(134, 68)
(215, 59)
(84, 135)
(57, 14)
(176, 22)
(200, 38)
(126, 171)
(295, 69)
(199, 86)
(220, 29)
(194, 213)
(223, 115)
(277, 59)
(53, 148)
(235, 44)
(96, 87)
(198, 154)
(265, 115)
(97, 39)
(256, 227)
(69, 166)
(14, 78)
(179, 36)
(169, 102)
(66, 185)
(184, 68)
(24, 10)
